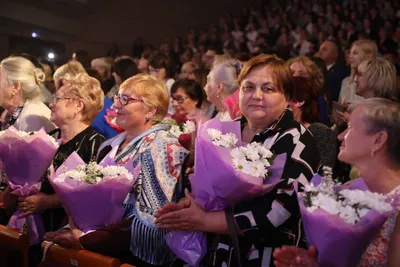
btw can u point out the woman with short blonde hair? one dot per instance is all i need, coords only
(84, 87)
(73, 68)
(141, 104)
(377, 78)
(73, 109)
(153, 93)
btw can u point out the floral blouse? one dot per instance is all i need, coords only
(377, 252)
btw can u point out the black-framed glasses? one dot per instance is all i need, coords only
(180, 99)
(58, 98)
(125, 100)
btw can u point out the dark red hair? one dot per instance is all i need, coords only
(307, 90)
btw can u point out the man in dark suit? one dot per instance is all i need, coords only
(330, 53)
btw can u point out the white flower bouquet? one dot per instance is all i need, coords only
(184, 128)
(25, 158)
(227, 171)
(253, 159)
(341, 221)
(93, 194)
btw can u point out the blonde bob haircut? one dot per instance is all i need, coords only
(73, 68)
(382, 114)
(381, 77)
(88, 89)
(20, 70)
(153, 92)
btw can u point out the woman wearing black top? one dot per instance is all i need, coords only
(260, 225)
(74, 107)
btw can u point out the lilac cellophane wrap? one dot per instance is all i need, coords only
(339, 244)
(93, 206)
(25, 161)
(216, 185)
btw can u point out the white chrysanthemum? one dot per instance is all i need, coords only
(175, 130)
(236, 153)
(363, 212)
(367, 199)
(348, 214)
(93, 173)
(264, 152)
(214, 133)
(327, 203)
(232, 139)
(169, 121)
(25, 135)
(252, 154)
(115, 171)
(72, 174)
(189, 127)
(350, 205)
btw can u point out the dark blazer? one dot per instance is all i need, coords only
(336, 74)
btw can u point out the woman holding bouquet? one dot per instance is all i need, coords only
(141, 104)
(370, 143)
(20, 88)
(74, 107)
(260, 225)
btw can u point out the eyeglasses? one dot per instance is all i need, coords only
(57, 98)
(124, 99)
(180, 99)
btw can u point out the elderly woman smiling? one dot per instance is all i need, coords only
(262, 224)
(74, 107)
(141, 105)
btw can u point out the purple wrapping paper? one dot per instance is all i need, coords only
(34, 221)
(25, 161)
(93, 206)
(216, 185)
(338, 243)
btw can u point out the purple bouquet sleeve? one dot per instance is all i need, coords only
(338, 243)
(25, 161)
(33, 223)
(216, 185)
(93, 206)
